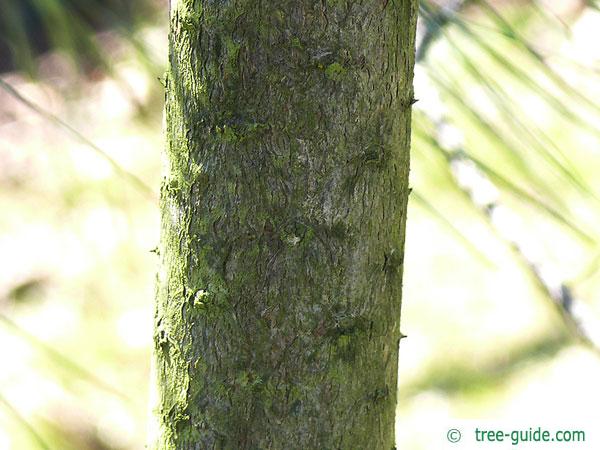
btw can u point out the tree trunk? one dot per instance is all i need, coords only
(283, 216)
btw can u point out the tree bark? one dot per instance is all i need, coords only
(283, 215)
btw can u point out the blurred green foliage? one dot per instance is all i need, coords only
(31, 27)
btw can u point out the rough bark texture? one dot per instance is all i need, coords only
(283, 212)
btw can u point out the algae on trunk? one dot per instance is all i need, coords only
(283, 215)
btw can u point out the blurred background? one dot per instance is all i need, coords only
(502, 276)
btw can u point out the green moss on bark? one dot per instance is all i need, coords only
(283, 211)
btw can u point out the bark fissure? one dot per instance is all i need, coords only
(283, 215)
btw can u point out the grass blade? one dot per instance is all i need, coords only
(137, 182)
(35, 436)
